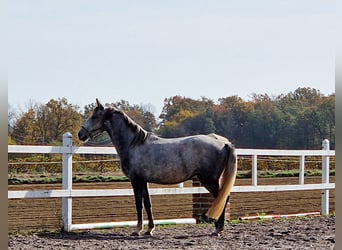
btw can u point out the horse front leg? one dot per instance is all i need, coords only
(137, 188)
(148, 209)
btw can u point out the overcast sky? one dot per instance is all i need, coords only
(145, 51)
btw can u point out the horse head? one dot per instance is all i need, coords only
(94, 125)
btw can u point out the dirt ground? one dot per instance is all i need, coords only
(303, 233)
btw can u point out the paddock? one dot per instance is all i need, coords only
(299, 233)
(62, 198)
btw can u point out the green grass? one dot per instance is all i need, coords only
(76, 179)
(101, 178)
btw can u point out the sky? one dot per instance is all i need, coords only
(145, 51)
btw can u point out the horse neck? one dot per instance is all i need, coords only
(124, 134)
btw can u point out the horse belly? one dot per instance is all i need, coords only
(168, 173)
(164, 168)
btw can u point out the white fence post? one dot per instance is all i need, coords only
(67, 182)
(302, 169)
(254, 170)
(325, 178)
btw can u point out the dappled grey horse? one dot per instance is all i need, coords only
(145, 157)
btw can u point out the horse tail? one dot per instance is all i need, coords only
(227, 181)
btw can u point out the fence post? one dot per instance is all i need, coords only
(325, 178)
(67, 181)
(254, 170)
(302, 169)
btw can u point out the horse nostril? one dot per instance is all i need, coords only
(82, 136)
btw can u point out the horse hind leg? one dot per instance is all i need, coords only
(213, 187)
(219, 224)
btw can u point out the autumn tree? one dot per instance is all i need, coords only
(43, 124)
(298, 120)
(183, 116)
(11, 116)
(24, 130)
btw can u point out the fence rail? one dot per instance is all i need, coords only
(67, 193)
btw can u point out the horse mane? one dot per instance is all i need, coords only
(141, 134)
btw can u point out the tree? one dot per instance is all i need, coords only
(327, 118)
(10, 117)
(23, 131)
(298, 120)
(183, 116)
(43, 124)
(309, 117)
(262, 127)
(59, 116)
(232, 118)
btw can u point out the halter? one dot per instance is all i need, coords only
(94, 133)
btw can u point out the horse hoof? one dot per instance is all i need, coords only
(148, 233)
(135, 234)
(216, 233)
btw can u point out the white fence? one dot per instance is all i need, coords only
(67, 193)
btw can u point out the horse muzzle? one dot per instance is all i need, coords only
(83, 134)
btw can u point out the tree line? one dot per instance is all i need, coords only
(300, 119)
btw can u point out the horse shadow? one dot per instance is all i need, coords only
(90, 235)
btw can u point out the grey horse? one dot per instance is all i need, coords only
(146, 157)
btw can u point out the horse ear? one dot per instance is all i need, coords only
(99, 105)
